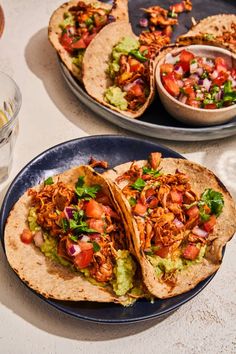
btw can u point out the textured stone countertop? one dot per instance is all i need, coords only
(50, 114)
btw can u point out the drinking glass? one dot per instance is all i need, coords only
(10, 103)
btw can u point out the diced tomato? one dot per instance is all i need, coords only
(189, 82)
(171, 85)
(189, 91)
(153, 203)
(83, 259)
(26, 236)
(176, 197)
(162, 252)
(154, 160)
(210, 106)
(178, 8)
(80, 44)
(134, 64)
(193, 103)
(184, 65)
(88, 39)
(93, 209)
(186, 56)
(233, 74)
(166, 68)
(193, 212)
(209, 225)
(221, 78)
(85, 246)
(139, 209)
(220, 64)
(191, 252)
(150, 192)
(66, 42)
(136, 90)
(97, 225)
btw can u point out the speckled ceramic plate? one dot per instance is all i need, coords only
(156, 122)
(116, 150)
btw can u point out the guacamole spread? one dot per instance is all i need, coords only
(124, 272)
(116, 97)
(168, 265)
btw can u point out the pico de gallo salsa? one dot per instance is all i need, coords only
(173, 220)
(200, 82)
(80, 26)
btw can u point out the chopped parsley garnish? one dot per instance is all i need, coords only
(151, 171)
(96, 246)
(84, 191)
(139, 184)
(48, 181)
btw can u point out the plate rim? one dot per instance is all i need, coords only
(57, 304)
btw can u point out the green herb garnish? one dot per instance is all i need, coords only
(139, 184)
(151, 171)
(132, 201)
(136, 53)
(64, 224)
(214, 200)
(48, 181)
(96, 246)
(80, 227)
(84, 191)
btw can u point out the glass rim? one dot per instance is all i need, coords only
(19, 101)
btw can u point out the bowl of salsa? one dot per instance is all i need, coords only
(197, 84)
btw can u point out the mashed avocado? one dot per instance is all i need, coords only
(167, 265)
(116, 97)
(68, 20)
(79, 58)
(32, 220)
(124, 272)
(124, 47)
(49, 249)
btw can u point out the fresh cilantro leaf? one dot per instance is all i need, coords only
(228, 87)
(139, 184)
(80, 227)
(84, 191)
(48, 181)
(78, 215)
(136, 53)
(203, 215)
(214, 200)
(74, 238)
(132, 201)
(64, 224)
(151, 171)
(96, 246)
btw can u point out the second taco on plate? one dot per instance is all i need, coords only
(117, 71)
(181, 217)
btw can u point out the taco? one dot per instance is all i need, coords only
(66, 240)
(181, 217)
(75, 24)
(218, 30)
(117, 71)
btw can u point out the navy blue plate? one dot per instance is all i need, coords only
(116, 150)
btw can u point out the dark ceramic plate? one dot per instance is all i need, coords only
(156, 122)
(116, 150)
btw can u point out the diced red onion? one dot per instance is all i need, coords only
(209, 62)
(199, 71)
(143, 22)
(180, 83)
(74, 250)
(85, 238)
(218, 96)
(200, 95)
(178, 223)
(170, 59)
(214, 75)
(207, 84)
(193, 67)
(179, 70)
(69, 212)
(195, 77)
(199, 232)
(128, 86)
(183, 98)
(38, 239)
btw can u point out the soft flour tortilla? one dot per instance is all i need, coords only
(200, 178)
(119, 11)
(96, 60)
(214, 25)
(46, 277)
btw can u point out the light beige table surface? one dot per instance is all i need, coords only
(50, 114)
